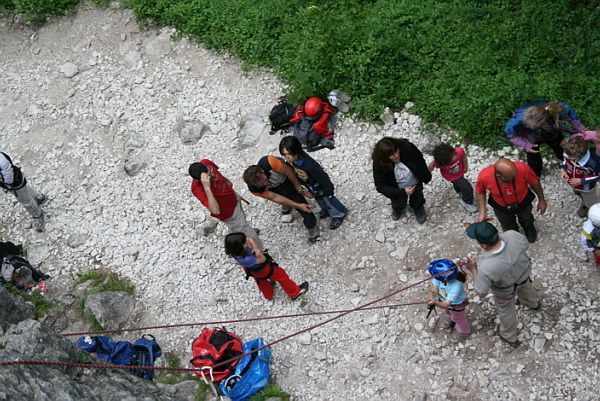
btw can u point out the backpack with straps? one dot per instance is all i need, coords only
(18, 180)
(280, 115)
(213, 347)
(143, 352)
(20, 273)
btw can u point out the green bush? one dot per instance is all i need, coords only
(467, 64)
(38, 11)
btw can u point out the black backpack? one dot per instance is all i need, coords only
(19, 272)
(280, 116)
(18, 180)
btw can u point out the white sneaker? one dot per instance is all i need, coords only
(471, 208)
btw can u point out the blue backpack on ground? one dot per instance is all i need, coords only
(143, 352)
(251, 374)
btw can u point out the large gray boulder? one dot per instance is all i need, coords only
(110, 308)
(29, 340)
(13, 309)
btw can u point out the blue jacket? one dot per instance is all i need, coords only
(524, 137)
(310, 173)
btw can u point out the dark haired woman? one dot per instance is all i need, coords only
(311, 174)
(261, 266)
(399, 172)
(542, 122)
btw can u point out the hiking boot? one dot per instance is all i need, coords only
(340, 95)
(336, 222)
(303, 289)
(471, 208)
(396, 214)
(447, 324)
(459, 337)
(582, 211)
(41, 200)
(40, 224)
(531, 234)
(420, 214)
(514, 344)
(537, 307)
(323, 214)
(313, 234)
(286, 209)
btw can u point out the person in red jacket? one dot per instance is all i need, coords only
(216, 193)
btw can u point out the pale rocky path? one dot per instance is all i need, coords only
(88, 94)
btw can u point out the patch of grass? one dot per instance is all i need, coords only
(272, 390)
(172, 376)
(42, 305)
(2, 346)
(101, 281)
(204, 391)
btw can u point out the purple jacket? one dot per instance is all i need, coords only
(525, 137)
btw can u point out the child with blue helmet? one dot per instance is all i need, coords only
(448, 292)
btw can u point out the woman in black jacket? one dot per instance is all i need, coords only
(399, 172)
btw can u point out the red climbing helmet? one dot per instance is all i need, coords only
(313, 107)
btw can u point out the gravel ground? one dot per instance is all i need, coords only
(87, 95)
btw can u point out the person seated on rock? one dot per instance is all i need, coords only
(399, 172)
(311, 174)
(261, 267)
(274, 180)
(580, 170)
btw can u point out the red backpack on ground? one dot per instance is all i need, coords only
(213, 347)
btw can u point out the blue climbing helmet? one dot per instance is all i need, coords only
(441, 265)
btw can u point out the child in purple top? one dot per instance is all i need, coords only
(261, 266)
(453, 165)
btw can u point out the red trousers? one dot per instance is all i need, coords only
(279, 274)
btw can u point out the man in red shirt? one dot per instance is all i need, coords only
(510, 185)
(217, 194)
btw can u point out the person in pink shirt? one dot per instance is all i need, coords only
(453, 165)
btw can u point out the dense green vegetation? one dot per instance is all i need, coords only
(464, 63)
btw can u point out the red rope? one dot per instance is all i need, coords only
(342, 314)
(222, 322)
(86, 365)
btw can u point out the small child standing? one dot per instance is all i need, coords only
(261, 266)
(453, 165)
(448, 292)
(311, 174)
(590, 234)
(580, 170)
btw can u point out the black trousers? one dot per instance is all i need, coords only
(287, 189)
(534, 160)
(415, 201)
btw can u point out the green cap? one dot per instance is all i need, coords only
(483, 232)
